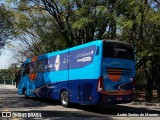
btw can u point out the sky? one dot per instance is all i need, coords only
(2, 1)
(6, 58)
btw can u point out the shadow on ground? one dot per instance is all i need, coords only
(107, 109)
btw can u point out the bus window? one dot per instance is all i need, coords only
(17, 77)
(97, 50)
(26, 68)
(33, 67)
(33, 71)
(117, 50)
(39, 65)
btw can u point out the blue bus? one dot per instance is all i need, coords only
(98, 72)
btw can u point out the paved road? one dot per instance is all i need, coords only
(49, 109)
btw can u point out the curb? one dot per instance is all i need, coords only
(7, 86)
(145, 103)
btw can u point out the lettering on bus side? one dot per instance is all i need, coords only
(82, 57)
(76, 59)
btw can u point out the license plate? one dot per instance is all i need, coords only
(119, 98)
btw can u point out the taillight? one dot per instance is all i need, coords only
(100, 87)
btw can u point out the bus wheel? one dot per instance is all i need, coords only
(64, 99)
(25, 94)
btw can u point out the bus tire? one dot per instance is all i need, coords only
(25, 93)
(64, 99)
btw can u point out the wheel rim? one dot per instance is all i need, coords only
(25, 94)
(64, 99)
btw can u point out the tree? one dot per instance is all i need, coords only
(6, 24)
(80, 21)
(35, 29)
(142, 28)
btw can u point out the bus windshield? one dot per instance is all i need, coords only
(119, 50)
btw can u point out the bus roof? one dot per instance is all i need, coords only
(116, 41)
(95, 42)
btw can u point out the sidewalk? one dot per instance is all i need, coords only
(155, 107)
(145, 103)
(7, 86)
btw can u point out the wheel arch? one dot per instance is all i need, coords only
(23, 90)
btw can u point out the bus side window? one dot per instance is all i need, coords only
(97, 50)
(39, 66)
(26, 69)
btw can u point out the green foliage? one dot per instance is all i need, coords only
(6, 25)
(8, 74)
(82, 23)
(76, 22)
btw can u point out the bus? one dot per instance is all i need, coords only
(98, 72)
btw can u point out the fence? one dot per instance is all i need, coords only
(7, 82)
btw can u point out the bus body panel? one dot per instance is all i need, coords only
(118, 71)
(73, 64)
(82, 75)
(55, 75)
(24, 83)
(124, 69)
(76, 70)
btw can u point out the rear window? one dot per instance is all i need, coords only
(119, 50)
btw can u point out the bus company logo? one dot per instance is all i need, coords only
(6, 114)
(85, 59)
(84, 54)
(117, 50)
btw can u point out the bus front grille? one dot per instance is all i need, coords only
(119, 71)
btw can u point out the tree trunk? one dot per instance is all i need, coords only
(149, 86)
(156, 74)
(149, 94)
(158, 90)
